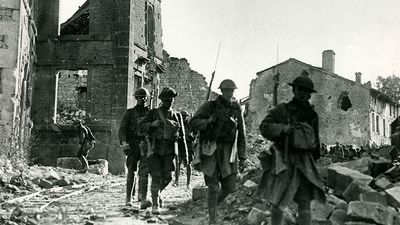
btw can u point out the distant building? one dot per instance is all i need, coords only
(349, 112)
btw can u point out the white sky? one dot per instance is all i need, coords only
(365, 35)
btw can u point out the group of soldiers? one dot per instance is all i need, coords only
(153, 139)
(340, 152)
(214, 141)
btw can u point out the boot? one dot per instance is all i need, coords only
(144, 204)
(155, 210)
(213, 214)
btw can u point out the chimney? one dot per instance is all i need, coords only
(328, 60)
(358, 77)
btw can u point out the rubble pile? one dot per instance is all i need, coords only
(21, 182)
(360, 191)
(69, 116)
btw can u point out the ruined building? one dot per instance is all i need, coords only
(349, 112)
(84, 69)
(110, 48)
(17, 56)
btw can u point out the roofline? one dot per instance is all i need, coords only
(331, 74)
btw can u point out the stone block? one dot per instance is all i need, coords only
(321, 222)
(199, 192)
(382, 182)
(371, 211)
(361, 165)
(379, 197)
(62, 182)
(321, 211)
(100, 167)
(69, 163)
(339, 178)
(43, 183)
(379, 166)
(388, 152)
(393, 196)
(353, 191)
(339, 203)
(338, 217)
(257, 216)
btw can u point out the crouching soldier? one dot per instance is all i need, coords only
(222, 139)
(130, 140)
(164, 129)
(86, 143)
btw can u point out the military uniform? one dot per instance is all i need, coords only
(86, 142)
(217, 140)
(291, 173)
(128, 132)
(163, 140)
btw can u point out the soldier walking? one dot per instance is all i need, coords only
(189, 145)
(86, 143)
(223, 141)
(164, 128)
(292, 173)
(130, 141)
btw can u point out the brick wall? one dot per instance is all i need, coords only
(336, 124)
(191, 85)
(17, 44)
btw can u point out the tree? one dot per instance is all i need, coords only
(389, 86)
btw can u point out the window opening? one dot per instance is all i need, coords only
(344, 102)
(74, 17)
(71, 96)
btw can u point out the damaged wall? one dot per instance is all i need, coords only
(17, 55)
(191, 85)
(110, 54)
(348, 126)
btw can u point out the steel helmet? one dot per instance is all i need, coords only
(168, 93)
(303, 81)
(141, 92)
(227, 83)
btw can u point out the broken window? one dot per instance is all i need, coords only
(149, 26)
(78, 23)
(377, 124)
(384, 128)
(71, 96)
(373, 122)
(344, 102)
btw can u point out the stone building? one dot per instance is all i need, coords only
(17, 56)
(191, 86)
(119, 45)
(349, 112)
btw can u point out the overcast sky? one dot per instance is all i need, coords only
(365, 35)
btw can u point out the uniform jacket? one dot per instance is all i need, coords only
(161, 146)
(128, 130)
(279, 185)
(85, 134)
(219, 160)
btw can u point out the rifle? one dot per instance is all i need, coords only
(213, 75)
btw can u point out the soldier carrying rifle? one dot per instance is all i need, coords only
(222, 142)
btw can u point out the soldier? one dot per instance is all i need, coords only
(86, 142)
(293, 174)
(222, 138)
(189, 144)
(163, 126)
(130, 140)
(337, 153)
